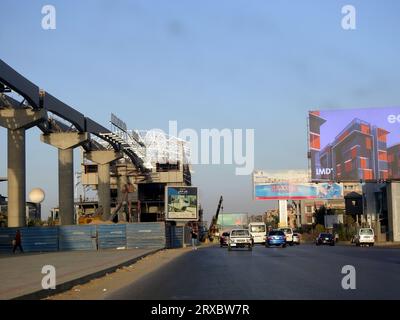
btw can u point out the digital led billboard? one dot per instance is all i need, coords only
(355, 144)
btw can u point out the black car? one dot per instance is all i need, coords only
(223, 239)
(325, 238)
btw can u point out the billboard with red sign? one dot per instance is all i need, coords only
(298, 191)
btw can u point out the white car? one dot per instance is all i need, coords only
(289, 235)
(364, 236)
(240, 238)
(296, 238)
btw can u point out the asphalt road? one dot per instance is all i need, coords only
(300, 272)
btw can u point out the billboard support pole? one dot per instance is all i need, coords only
(297, 211)
(308, 149)
(282, 213)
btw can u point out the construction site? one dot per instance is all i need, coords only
(135, 195)
(125, 175)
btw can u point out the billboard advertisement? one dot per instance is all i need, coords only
(295, 176)
(292, 185)
(298, 191)
(181, 203)
(354, 144)
(231, 220)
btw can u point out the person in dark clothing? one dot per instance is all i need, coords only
(193, 232)
(17, 242)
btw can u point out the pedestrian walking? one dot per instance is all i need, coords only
(17, 242)
(193, 233)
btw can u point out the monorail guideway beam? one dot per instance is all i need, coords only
(39, 99)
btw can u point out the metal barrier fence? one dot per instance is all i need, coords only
(149, 235)
(33, 239)
(111, 236)
(77, 238)
(39, 239)
(174, 236)
(88, 237)
(7, 235)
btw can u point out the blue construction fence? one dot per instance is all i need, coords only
(149, 235)
(178, 236)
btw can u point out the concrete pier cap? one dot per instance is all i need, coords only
(65, 140)
(103, 156)
(24, 118)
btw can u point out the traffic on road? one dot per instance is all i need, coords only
(257, 233)
(299, 272)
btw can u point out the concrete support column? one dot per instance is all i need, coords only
(16, 178)
(103, 159)
(65, 142)
(17, 121)
(122, 179)
(104, 189)
(283, 215)
(66, 186)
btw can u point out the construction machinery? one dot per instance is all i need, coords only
(213, 230)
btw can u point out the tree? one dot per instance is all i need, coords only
(348, 220)
(319, 228)
(319, 215)
(274, 223)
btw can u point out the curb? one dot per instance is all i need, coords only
(385, 245)
(65, 286)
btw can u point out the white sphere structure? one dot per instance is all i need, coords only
(36, 195)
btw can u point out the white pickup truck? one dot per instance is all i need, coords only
(240, 238)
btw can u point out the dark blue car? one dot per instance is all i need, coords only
(276, 238)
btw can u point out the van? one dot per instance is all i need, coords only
(258, 231)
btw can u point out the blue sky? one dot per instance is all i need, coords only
(207, 64)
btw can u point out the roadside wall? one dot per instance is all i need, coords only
(88, 237)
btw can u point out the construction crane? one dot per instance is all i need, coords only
(213, 226)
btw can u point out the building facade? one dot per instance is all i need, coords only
(148, 195)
